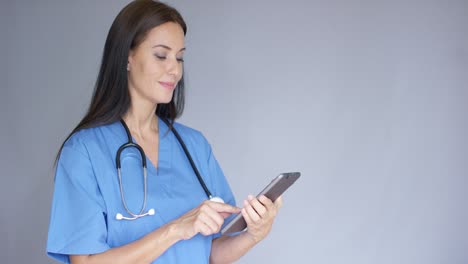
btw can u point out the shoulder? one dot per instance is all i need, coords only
(191, 135)
(183, 129)
(88, 138)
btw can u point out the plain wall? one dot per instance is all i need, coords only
(368, 99)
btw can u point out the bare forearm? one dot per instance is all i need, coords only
(144, 250)
(227, 249)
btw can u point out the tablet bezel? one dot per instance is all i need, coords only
(272, 191)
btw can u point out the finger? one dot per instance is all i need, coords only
(265, 201)
(225, 215)
(251, 212)
(257, 206)
(207, 211)
(211, 223)
(246, 216)
(224, 208)
(204, 229)
(271, 207)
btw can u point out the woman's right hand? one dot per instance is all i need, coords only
(207, 219)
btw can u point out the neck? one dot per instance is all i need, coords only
(141, 120)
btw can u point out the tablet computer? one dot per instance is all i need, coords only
(273, 190)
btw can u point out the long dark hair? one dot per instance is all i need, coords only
(111, 98)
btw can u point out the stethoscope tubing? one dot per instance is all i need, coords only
(189, 157)
(130, 144)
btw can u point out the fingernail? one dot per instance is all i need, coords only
(246, 203)
(250, 197)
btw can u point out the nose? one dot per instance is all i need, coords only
(174, 67)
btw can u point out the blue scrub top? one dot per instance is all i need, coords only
(87, 195)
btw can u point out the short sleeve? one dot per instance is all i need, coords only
(220, 183)
(77, 222)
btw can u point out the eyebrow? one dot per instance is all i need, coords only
(166, 47)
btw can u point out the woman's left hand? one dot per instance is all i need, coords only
(259, 214)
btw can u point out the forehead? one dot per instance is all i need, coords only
(170, 34)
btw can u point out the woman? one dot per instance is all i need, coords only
(161, 214)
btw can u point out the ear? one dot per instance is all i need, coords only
(130, 59)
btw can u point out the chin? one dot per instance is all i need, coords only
(163, 100)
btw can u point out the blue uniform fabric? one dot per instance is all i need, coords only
(87, 195)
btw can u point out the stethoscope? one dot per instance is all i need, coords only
(130, 144)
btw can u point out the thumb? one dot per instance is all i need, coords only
(279, 202)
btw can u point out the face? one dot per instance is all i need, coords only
(155, 66)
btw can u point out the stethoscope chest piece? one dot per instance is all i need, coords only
(217, 199)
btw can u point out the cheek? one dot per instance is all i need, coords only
(155, 68)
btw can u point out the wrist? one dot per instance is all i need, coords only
(253, 239)
(173, 231)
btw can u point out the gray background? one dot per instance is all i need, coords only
(368, 99)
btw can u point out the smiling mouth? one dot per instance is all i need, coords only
(168, 85)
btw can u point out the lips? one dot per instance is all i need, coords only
(168, 85)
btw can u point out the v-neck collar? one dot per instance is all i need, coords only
(164, 149)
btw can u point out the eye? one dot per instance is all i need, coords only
(159, 56)
(164, 57)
